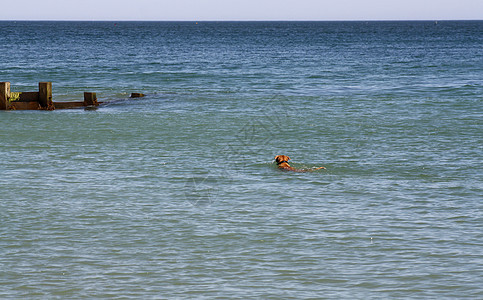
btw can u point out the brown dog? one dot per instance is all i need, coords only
(282, 162)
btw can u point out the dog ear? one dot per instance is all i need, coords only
(277, 157)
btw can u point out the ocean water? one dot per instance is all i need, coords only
(176, 196)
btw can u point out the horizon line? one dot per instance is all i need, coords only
(242, 20)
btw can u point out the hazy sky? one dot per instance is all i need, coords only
(199, 10)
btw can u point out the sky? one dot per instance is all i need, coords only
(241, 10)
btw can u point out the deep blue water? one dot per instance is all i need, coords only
(176, 195)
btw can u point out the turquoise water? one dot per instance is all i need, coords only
(175, 195)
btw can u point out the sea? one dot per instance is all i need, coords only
(176, 195)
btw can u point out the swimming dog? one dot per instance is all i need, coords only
(282, 162)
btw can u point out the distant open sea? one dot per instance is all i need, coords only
(176, 196)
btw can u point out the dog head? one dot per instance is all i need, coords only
(281, 159)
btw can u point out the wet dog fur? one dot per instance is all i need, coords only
(282, 163)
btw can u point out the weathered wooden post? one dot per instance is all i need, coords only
(45, 95)
(137, 95)
(4, 95)
(90, 99)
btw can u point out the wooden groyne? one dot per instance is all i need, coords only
(42, 100)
